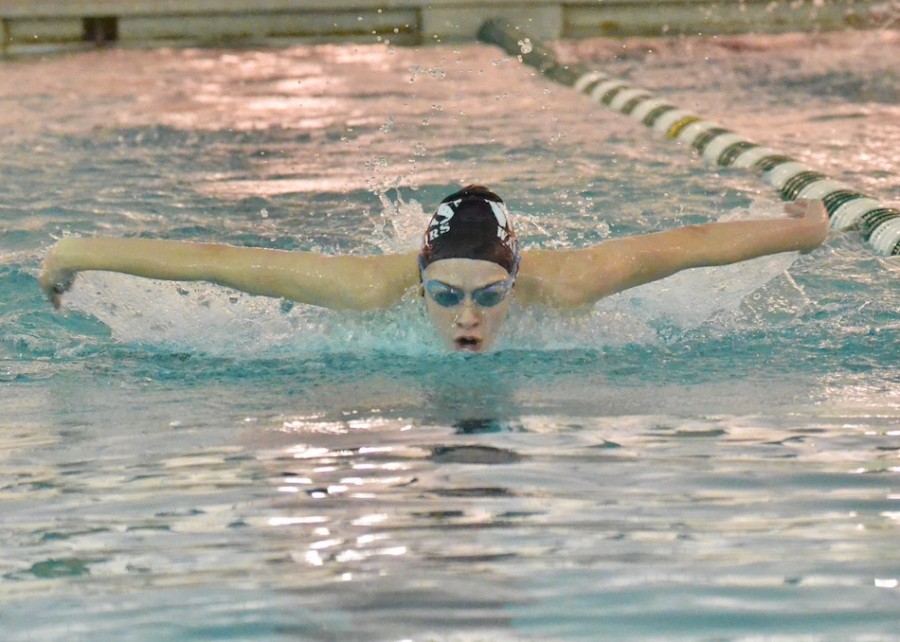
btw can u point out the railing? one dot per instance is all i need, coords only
(29, 25)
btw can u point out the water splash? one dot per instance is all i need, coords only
(403, 221)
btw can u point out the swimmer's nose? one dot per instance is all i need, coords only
(468, 317)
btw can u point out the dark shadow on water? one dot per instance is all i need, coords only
(483, 425)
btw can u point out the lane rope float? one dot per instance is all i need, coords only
(847, 207)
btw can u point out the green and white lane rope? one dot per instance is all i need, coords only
(847, 208)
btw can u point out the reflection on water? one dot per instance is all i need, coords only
(750, 524)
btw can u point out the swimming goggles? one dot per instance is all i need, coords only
(448, 296)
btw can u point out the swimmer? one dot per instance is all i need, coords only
(468, 270)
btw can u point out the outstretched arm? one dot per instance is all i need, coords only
(342, 282)
(579, 277)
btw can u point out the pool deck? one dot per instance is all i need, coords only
(36, 25)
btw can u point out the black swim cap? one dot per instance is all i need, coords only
(472, 223)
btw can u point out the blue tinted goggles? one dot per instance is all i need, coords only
(448, 296)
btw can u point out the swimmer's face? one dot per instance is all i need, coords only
(467, 324)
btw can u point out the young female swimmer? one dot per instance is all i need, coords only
(469, 267)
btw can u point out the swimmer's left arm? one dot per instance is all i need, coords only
(659, 255)
(584, 276)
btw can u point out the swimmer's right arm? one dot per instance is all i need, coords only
(339, 282)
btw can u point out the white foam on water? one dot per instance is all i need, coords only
(216, 320)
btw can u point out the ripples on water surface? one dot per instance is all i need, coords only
(712, 457)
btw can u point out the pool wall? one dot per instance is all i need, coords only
(33, 25)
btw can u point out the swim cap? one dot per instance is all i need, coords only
(472, 223)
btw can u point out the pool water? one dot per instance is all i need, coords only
(712, 457)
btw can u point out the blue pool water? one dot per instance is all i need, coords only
(713, 457)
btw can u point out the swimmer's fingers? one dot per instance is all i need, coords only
(56, 288)
(59, 288)
(806, 208)
(55, 281)
(812, 216)
(796, 209)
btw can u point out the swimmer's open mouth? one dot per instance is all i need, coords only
(472, 344)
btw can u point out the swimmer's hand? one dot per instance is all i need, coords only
(56, 277)
(813, 220)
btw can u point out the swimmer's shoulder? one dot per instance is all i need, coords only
(569, 278)
(382, 279)
(404, 265)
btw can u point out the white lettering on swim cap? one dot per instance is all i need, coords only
(500, 213)
(446, 212)
(441, 222)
